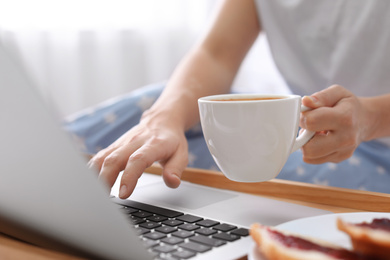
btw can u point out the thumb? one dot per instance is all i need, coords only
(311, 101)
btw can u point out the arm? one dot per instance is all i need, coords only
(208, 69)
(211, 66)
(378, 116)
(342, 121)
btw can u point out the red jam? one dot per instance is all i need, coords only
(378, 223)
(303, 244)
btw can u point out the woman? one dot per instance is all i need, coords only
(315, 44)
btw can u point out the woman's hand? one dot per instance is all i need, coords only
(148, 142)
(341, 121)
(208, 69)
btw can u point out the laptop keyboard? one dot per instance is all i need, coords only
(170, 234)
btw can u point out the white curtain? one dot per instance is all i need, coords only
(81, 52)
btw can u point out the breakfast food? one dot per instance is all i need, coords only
(371, 238)
(275, 244)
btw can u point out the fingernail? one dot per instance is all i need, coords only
(91, 165)
(177, 179)
(314, 99)
(123, 191)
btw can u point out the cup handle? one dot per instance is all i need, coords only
(303, 138)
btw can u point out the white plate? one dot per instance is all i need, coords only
(322, 227)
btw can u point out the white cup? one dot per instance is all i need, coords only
(250, 140)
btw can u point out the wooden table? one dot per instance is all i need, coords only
(337, 200)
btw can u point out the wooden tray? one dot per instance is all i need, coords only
(334, 199)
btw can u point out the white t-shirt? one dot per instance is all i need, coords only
(318, 43)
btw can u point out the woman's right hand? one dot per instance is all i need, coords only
(152, 140)
(208, 69)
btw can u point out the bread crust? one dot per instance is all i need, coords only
(273, 250)
(366, 240)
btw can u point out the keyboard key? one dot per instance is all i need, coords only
(136, 220)
(163, 249)
(155, 235)
(172, 222)
(166, 229)
(157, 218)
(243, 232)
(142, 231)
(224, 227)
(225, 236)
(165, 257)
(207, 241)
(207, 223)
(128, 210)
(153, 254)
(184, 254)
(188, 227)
(196, 247)
(150, 243)
(172, 240)
(182, 234)
(189, 218)
(149, 208)
(206, 231)
(150, 225)
(142, 214)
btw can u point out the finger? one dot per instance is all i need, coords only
(141, 159)
(335, 157)
(174, 167)
(330, 118)
(319, 146)
(328, 97)
(310, 101)
(329, 147)
(319, 160)
(96, 162)
(320, 119)
(115, 162)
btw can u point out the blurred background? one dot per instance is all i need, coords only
(82, 52)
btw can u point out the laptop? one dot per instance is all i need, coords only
(48, 196)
